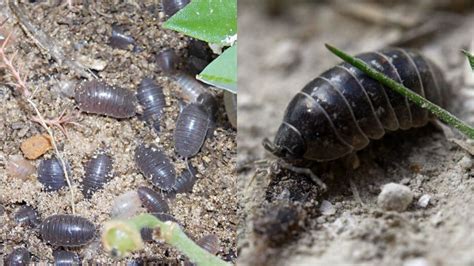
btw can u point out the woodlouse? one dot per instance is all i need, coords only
(65, 258)
(230, 104)
(167, 61)
(170, 7)
(28, 216)
(119, 39)
(100, 98)
(19, 257)
(339, 111)
(186, 181)
(191, 130)
(67, 230)
(156, 166)
(210, 243)
(150, 96)
(51, 175)
(194, 91)
(97, 173)
(153, 201)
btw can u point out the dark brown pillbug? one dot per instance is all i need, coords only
(51, 174)
(153, 201)
(100, 98)
(67, 230)
(156, 166)
(170, 7)
(150, 96)
(28, 216)
(341, 110)
(65, 258)
(191, 130)
(18, 257)
(98, 172)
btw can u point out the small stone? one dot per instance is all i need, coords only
(36, 146)
(424, 200)
(327, 208)
(416, 262)
(395, 197)
(466, 163)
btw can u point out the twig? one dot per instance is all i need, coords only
(20, 84)
(46, 43)
(399, 88)
(123, 236)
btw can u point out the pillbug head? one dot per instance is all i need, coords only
(288, 143)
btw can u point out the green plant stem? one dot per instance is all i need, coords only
(172, 234)
(399, 88)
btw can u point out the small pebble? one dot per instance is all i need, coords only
(326, 208)
(424, 201)
(466, 163)
(36, 146)
(416, 262)
(395, 197)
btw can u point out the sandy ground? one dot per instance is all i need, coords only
(210, 208)
(281, 217)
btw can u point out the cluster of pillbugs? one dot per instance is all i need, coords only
(195, 123)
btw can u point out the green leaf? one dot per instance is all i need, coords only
(470, 58)
(213, 21)
(222, 72)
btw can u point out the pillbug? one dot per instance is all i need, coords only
(67, 230)
(194, 91)
(341, 110)
(191, 130)
(19, 257)
(156, 166)
(51, 175)
(98, 172)
(152, 200)
(186, 181)
(167, 61)
(65, 258)
(126, 205)
(26, 215)
(210, 243)
(170, 7)
(100, 98)
(230, 104)
(119, 39)
(150, 96)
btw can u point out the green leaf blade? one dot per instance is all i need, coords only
(222, 72)
(470, 58)
(213, 21)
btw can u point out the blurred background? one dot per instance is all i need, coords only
(281, 49)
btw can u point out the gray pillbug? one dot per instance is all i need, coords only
(167, 61)
(28, 216)
(186, 181)
(119, 39)
(67, 230)
(341, 110)
(191, 130)
(156, 166)
(100, 98)
(97, 173)
(170, 7)
(65, 258)
(194, 91)
(150, 96)
(51, 175)
(19, 257)
(153, 201)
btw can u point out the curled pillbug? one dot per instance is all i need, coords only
(167, 61)
(51, 175)
(126, 205)
(230, 104)
(65, 258)
(19, 257)
(19, 167)
(119, 39)
(98, 172)
(210, 243)
(191, 130)
(147, 233)
(28, 216)
(186, 181)
(100, 98)
(341, 110)
(150, 96)
(67, 230)
(155, 166)
(153, 201)
(170, 7)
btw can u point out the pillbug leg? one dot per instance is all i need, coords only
(352, 162)
(305, 171)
